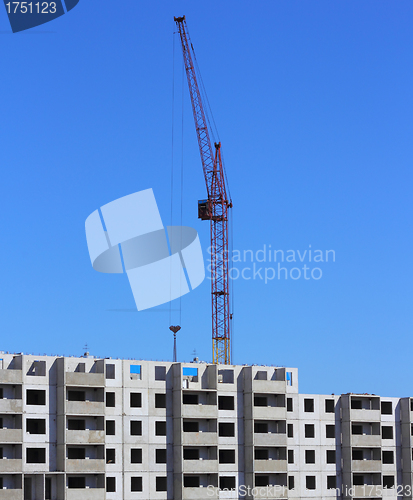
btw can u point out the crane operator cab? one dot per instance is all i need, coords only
(204, 209)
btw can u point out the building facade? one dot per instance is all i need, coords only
(94, 429)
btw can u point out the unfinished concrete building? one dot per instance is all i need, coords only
(94, 429)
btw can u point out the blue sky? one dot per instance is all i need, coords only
(313, 104)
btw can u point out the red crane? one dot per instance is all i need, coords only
(214, 209)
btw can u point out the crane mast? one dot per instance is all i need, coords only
(214, 209)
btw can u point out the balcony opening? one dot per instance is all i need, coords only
(290, 456)
(356, 454)
(226, 429)
(309, 430)
(190, 426)
(290, 482)
(227, 483)
(261, 480)
(135, 400)
(388, 481)
(189, 399)
(387, 432)
(76, 453)
(260, 401)
(310, 456)
(110, 372)
(261, 454)
(329, 408)
(226, 376)
(290, 430)
(260, 427)
(76, 424)
(37, 369)
(160, 373)
(331, 482)
(261, 375)
(331, 456)
(1, 393)
(191, 481)
(110, 400)
(136, 428)
(160, 456)
(225, 402)
(160, 428)
(111, 484)
(330, 431)
(76, 395)
(76, 483)
(80, 368)
(36, 397)
(190, 374)
(289, 404)
(358, 479)
(357, 429)
(309, 405)
(36, 426)
(110, 427)
(1, 424)
(36, 455)
(110, 455)
(135, 372)
(160, 400)
(388, 457)
(191, 453)
(356, 404)
(227, 456)
(386, 408)
(161, 483)
(310, 482)
(136, 484)
(136, 456)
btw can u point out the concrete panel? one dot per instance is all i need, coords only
(11, 405)
(365, 440)
(270, 465)
(272, 386)
(85, 408)
(199, 411)
(85, 379)
(10, 465)
(91, 465)
(271, 492)
(200, 466)
(370, 491)
(270, 413)
(10, 376)
(366, 465)
(85, 437)
(270, 439)
(200, 438)
(11, 494)
(11, 435)
(365, 415)
(198, 493)
(85, 494)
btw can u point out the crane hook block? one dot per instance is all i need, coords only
(179, 19)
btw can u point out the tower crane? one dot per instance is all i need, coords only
(215, 209)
